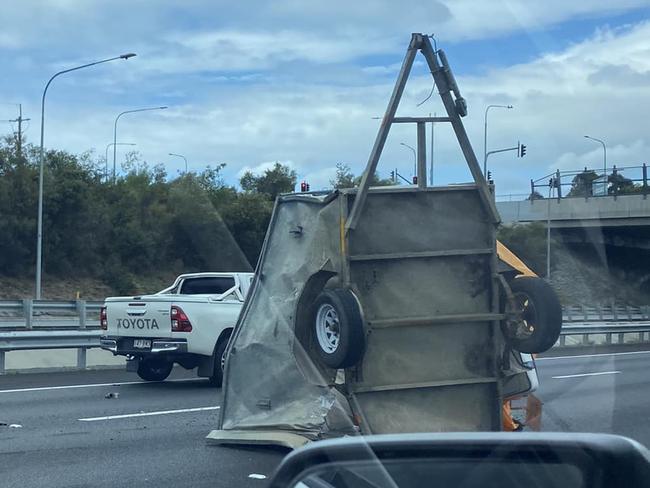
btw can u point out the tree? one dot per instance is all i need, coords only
(528, 242)
(128, 232)
(345, 178)
(620, 185)
(375, 180)
(274, 181)
(199, 235)
(535, 196)
(247, 216)
(18, 184)
(582, 184)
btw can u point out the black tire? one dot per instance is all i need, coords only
(342, 342)
(219, 357)
(154, 369)
(541, 311)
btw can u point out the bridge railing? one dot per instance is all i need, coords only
(511, 197)
(588, 183)
(48, 324)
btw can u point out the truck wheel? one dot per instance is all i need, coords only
(541, 314)
(338, 334)
(154, 369)
(219, 362)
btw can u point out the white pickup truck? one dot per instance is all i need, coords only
(188, 323)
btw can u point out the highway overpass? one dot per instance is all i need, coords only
(603, 211)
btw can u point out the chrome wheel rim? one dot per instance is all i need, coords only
(328, 328)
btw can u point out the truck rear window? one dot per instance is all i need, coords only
(207, 286)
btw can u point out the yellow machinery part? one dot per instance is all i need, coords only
(508, 257)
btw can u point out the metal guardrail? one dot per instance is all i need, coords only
(46, 324)
(610, 312)
(606, 329)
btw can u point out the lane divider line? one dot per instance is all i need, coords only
(96, 385)
(148, 414)
(593, 355)
(580, 375)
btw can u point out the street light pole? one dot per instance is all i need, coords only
(548, 230)
(433, 125)
(41, 157)
(180, 156)
(106, 157)
(485, 131)
(415, 158)
(115, 129)
(604, 153)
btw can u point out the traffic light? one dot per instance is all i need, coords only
(489, 176)
(522, 150)
(392, 176)
(415, 180)
(304, 186)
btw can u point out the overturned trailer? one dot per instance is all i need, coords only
(379, 310)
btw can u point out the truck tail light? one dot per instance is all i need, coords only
(103, 319)
(180, 322)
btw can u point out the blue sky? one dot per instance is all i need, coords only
(248, 83)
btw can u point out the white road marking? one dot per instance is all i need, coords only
(593, 355)
(585, 374)
(147, 414)
(256, 476)
(93, 385)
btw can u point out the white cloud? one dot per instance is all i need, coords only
(633, 153)
(259, 169)
(481, 20)
(234, 50)
(292, 85)
(283, 29)
(314, 126)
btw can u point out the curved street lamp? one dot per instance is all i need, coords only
(415, 158)
(180, 156)
(39, 232)
(106, 157)
(485, 131)
(115, 128)
(604, 153)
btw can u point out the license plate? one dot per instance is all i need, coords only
(141, 343)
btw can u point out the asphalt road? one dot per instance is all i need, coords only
(56, 447)
(154, 433)
(599, 392)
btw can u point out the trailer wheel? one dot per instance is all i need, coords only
(539, 315)
(154, 369)
(338, 328)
